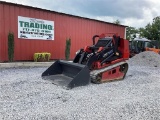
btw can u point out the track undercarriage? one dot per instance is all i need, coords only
(110, 73)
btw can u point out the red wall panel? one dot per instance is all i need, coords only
(1, 29)
(79, 29)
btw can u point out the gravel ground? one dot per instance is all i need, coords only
(25, 96)
(148, 58)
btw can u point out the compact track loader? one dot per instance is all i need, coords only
(103, 61)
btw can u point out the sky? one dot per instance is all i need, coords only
(134, 13)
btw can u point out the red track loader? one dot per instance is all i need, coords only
(101, 62)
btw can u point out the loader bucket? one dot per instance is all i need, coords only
(67, 74)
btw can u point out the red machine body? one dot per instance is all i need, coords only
(123, 48)
(113, 73)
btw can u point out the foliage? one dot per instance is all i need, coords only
(152, 30)
(117, 22)
(10, 46)
(131, 33)
(67, 49)
(44, 56)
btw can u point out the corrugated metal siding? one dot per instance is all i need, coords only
(80, 31)
(1, 27)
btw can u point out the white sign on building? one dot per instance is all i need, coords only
(32, 28)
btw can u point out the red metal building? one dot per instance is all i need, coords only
(79, 29)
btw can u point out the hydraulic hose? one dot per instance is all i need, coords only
(94, 38)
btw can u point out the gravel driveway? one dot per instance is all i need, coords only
(25, 96)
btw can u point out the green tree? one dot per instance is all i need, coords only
(131, 33)
(67, 50)
(10, 46)
(117, 22)
(141, 31)
(151, 30)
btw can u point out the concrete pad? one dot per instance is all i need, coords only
(25, 64)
